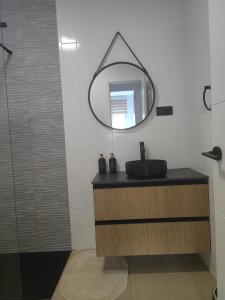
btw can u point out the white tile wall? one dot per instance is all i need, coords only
(217, 48)
(155, 31)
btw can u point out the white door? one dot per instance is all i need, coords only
(217, 45)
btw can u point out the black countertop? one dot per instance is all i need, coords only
(173, 177)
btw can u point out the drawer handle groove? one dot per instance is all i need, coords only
(156, 220)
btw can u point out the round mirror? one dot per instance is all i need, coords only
(121, 95)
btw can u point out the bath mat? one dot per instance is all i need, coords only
(87, 277)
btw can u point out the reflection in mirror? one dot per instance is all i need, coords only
(121, 96)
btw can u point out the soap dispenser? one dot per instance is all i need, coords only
(102, 165)
(112, 164)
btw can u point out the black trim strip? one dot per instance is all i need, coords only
(156, 220)
(99, 186)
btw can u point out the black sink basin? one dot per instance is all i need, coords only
(149, 168)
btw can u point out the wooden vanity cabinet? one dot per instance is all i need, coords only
(151, 220)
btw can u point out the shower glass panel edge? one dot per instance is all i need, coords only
(10, 278)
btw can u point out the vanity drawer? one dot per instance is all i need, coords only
(153, 238)
(151, 202)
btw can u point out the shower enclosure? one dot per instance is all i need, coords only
(35, 238)
(8, 224)
(10, 281)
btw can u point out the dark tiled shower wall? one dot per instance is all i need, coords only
(8, 229)
(36, 125)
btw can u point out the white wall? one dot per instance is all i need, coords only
(217, 50)
(155, 31)
(199, 119)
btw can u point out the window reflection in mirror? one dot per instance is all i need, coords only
(122, 107)
(121, 95)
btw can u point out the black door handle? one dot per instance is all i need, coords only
(215, 154)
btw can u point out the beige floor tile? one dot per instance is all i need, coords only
(173, 277)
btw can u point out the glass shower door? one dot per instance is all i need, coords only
(10, 287)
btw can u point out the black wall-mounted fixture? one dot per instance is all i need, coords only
(4, 25)
(206, 88)
(215, 154)
(164, 110)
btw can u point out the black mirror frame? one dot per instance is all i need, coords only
(117, 63)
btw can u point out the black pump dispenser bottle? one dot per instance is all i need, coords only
(112, 164)
(101, 165)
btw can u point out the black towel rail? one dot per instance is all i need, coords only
(206, 88)
(215, 154)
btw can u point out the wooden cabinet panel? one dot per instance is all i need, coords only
(151, 202)
(152, 238)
